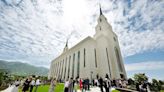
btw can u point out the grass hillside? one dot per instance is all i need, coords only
(18, 68)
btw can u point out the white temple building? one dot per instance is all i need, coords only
(97, 55)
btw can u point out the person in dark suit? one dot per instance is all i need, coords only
(87, 84)
(101, 84)
(26, 85)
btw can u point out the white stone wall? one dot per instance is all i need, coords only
(104, 42)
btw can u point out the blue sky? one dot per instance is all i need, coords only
(35, 31)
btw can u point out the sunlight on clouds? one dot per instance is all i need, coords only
(139, 42)
(74, 10)
(36, 30)
(149, 65)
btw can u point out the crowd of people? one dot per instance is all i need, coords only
(26, 84)
(108, 83)
(143, 86)
(30, 84)
(71, 85)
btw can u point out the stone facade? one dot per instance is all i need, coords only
(97, 55)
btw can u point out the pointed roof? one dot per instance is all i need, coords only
(66, 45)
(100, 10)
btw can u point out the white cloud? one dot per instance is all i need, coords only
(36, 30)
(149, 65)
(139, 42)
(139, 27)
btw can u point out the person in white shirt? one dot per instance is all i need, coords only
(66, 85)
(16, 85)
(97, 82)
(32, 85)
(37, 84)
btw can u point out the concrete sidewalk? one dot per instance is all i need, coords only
(11, 89)
(96, 89)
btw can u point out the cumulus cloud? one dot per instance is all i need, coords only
(139, 26)
(138, 42)
(149, 65)
(35, 31)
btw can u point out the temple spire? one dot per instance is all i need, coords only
(100, 10)
(66, 45)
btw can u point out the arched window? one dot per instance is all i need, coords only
(118, 60)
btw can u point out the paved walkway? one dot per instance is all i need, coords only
(15, 89)
(96, 89)
(11, 89)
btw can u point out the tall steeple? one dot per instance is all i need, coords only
(101, 18)
(100, 10)
(102, 25)
(66, 46)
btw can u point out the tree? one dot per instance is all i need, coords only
(156, 85)
(1, 78)
(161, 82)
(130, 81)
(138, 78)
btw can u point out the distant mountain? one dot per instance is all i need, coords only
(24, 69)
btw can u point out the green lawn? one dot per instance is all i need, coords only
(45, 88)
(58, 88)
(115, 91)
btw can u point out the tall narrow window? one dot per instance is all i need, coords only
(108, 61)
(52, 69)
(69, 66)
(57, 69)
(73, 65)
(84, 57)
(118, 60)
(78, 64)
(62, 62)
(95, 58)
(65, 67)
(114, 38)
(60, 69)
